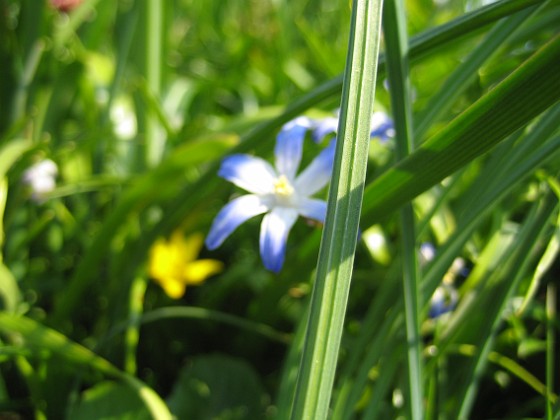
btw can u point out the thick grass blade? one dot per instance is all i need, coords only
(461, 78)
(473, 133)
(338, 244)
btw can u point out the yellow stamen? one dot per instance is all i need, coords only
(282, 187)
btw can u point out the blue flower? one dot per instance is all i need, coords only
(382, 126)
(443, 300)
(445, 297)
(275, 191)
(323, 128)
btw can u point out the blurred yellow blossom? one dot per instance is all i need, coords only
(173, 264)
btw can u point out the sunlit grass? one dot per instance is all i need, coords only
(116, 118)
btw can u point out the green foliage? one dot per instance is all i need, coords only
(217, 387)
(137, 102)
(108, 400)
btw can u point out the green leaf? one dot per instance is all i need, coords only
(11, 152)
(10, 296)
(217, 387)
(108, 401)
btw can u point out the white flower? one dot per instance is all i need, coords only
(41, 178)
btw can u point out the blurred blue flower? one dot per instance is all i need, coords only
(427, 252)
(445, 297)
(276, 191)
(322, 128)
(443, 300)
(382, 127)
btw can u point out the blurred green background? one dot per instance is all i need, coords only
(138, 101)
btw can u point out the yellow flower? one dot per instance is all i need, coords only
(173, 263)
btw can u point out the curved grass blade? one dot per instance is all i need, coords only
(512, 366)
(203, 314)
(43, 338)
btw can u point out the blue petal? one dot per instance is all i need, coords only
(232, 215)
(313, 208)
(443, 300)
(275, 228)
(289, 143)
(318, 173)
(323, 128)
(248, 172)
(382, 126)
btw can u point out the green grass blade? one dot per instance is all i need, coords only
(464, 74)
(338, 244)
(42, 338)
(511, 366)
(376, 325)
(493, 306)
(397, 56)
(10, 295)
(154, 143)
(550, 341)
(549, 256)
(430, 41)
(482, 126)
(77, 18)
(504, 170)
(132, 335)
(513, 156)
(11, 152)
(203, 314)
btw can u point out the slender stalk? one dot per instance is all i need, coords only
(397, 58)
(550, 339)
(154, 145)
(338, 244)
(136, 307)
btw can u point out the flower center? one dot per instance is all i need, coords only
(282, 188)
